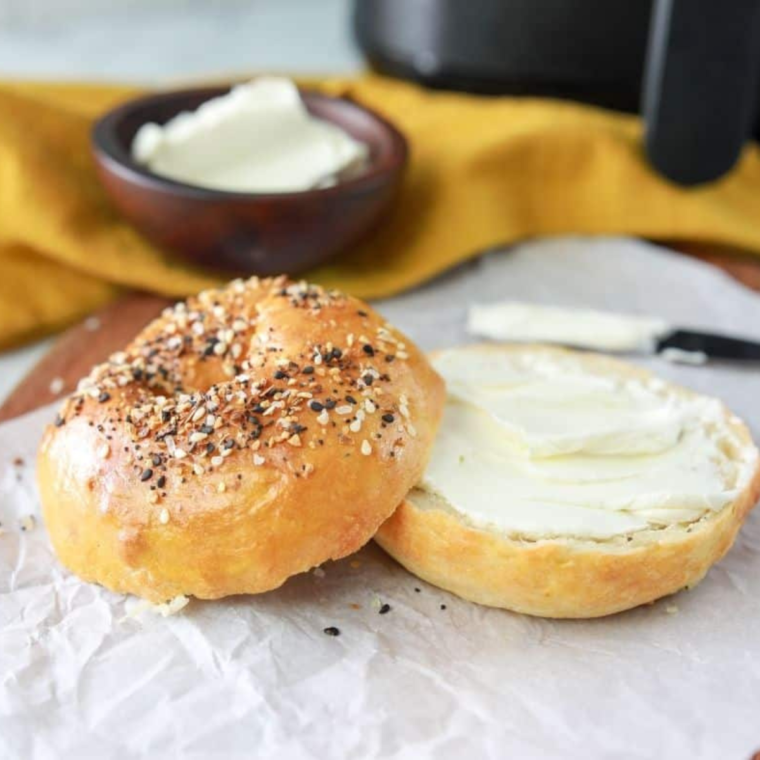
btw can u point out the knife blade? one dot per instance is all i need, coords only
(605, 331)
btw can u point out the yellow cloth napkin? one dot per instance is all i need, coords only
(484, 171)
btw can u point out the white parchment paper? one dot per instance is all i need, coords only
(257, 677)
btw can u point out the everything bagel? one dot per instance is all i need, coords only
(246, 435)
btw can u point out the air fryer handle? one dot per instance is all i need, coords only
(700, 85)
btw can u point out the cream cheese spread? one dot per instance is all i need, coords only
(257, 138)
(536, 445)
(583, 328)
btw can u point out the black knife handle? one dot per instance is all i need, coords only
(715, 346)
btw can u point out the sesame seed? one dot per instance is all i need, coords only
(217, 461)
(315, 406)
(332, 631)
(368, 349)
(369, 406)
(308, 370)
(180, 453)
(198, 469)
(258, 460)
(388, 418)
(147, 474)
(345, 409)
(385, 609)
(355, 426)
(161, 482)
(163, 516)
(104, 451)
(104, 396)
(323, 418)
(366, 448)
(222, 487)
(295, 440)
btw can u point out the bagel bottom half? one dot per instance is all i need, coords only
(566, 576)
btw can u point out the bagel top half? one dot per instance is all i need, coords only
(246, 435)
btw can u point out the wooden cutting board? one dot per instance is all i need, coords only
(88, 343)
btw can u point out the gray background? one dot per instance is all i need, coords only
(145, 40)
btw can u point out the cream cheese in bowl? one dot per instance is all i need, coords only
(258, 138)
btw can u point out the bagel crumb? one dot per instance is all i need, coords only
(258, 460)
(27, 523)
(384, 609)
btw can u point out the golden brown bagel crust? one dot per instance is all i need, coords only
(568, 577)
(248, 435)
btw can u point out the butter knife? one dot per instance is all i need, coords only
(604, 331)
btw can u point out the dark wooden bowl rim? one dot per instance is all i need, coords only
(110, 149)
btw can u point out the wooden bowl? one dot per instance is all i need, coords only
(249, 233)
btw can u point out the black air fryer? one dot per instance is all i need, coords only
(690, 66)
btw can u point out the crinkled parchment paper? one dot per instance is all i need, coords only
(435, 676)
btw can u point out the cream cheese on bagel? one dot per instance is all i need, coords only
(539, 445)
